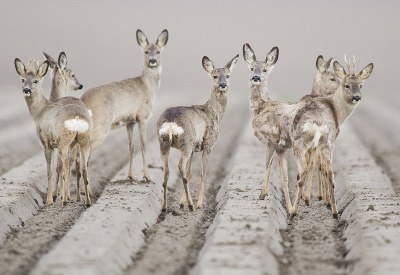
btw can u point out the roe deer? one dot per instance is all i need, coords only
(63, 80)
(316, 125)
(58, 126)
(128, 101)
(194, 129)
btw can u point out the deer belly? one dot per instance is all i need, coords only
(120, 122)
(198, 146)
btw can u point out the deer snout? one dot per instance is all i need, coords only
(222, 86)
(80, 87)
(153, 62)
(356, 98)
(27, 91)
(256, 78)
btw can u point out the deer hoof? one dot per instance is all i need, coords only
(130, 178)
(64, 203)
(191, 208)
(320, 198)
(164, 209)
(262, 196)
(335, 216)
(54, 197)
(307, 201)
(147, 179)
(328, 205)
(181, 206)
(292, 215)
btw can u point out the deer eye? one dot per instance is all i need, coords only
(264, 70)
(35, 81)
(73, 75)
(23, 80)
(347, 86)
(158, 52)
(227, 76)
(146, 52)
(360, 86)
(215, 77)
(252, 69)
(332, 79)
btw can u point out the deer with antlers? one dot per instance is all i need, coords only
(194, 129)
(58, 126)
(316, 126)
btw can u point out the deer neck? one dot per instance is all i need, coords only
(342, 108)
(58, 86)
(151, 77)
(36, 104)
(315, 87)
(216, 105)
(258, 96)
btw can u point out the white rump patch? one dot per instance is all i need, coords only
(77, 125)
(175, 129)
(315, 130)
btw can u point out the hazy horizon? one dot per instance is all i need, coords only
(99, 40)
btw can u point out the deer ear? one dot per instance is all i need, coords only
(231, 64)
(62, 61)
(207, 64)
(52, 62)
(248, 54)
(20, 67)
(43, 69)
(366, 72)
(339, 70)
(321, 64)
(162, 39)
(272, 56)
(141, 39)
(328, 63)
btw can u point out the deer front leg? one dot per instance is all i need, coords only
(48, 153)
(142, 134)
(185, 157)
(189, 175)
(284, 179)
(129, 128)
(270, 153)
(310, 175)
(204, 162)
(329, 172)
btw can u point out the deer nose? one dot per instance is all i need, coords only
(27, 91)
(356, 98)
(222, 86)
(80, 87)
(256, 78)
(153, 61)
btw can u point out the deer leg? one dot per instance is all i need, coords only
(284, 179)
(327, 155)
(185, 157)
(204, 162)
(320, 176)
(164, 157)
(58, 180)
(326, 187)
(189, 173)
(311, 164)
(48, 153)
(142, 134)
(301, 162)
(60, 174)
(264, 191)
(65, 174)
(129, 128)
(85, 159)
(77, 157)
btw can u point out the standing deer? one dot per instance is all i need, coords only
(63, 80)
(316, 125)
(194, 129)
(128, 102)
(58, 126)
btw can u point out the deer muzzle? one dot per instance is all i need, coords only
(27, 91)
(356, 98)
(152, 62)
(222, 86)
(256, 79)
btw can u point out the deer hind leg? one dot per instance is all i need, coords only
(189, 173)
(320, 175)
(164, 157)
(48, 153)
(270, 154)
(302, 167)
(142, 134)
(129, 128)
(311, 164)
(327, 201)
(183, 163)
(284, 179)
(204, 162)
(74, 155)
(58, 178)
(85, 175)
(65, 174)
(331, 180)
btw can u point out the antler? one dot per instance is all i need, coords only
(354, 65)
(349, 66)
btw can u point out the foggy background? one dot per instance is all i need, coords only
(99, 40)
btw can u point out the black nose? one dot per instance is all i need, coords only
(152, 61)
(27, 91)
(222, 85)
(256, 78)
(356, 98)
(80, 87)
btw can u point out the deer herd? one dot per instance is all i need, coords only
(76, 127)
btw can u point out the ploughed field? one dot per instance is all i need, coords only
(124, 231)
